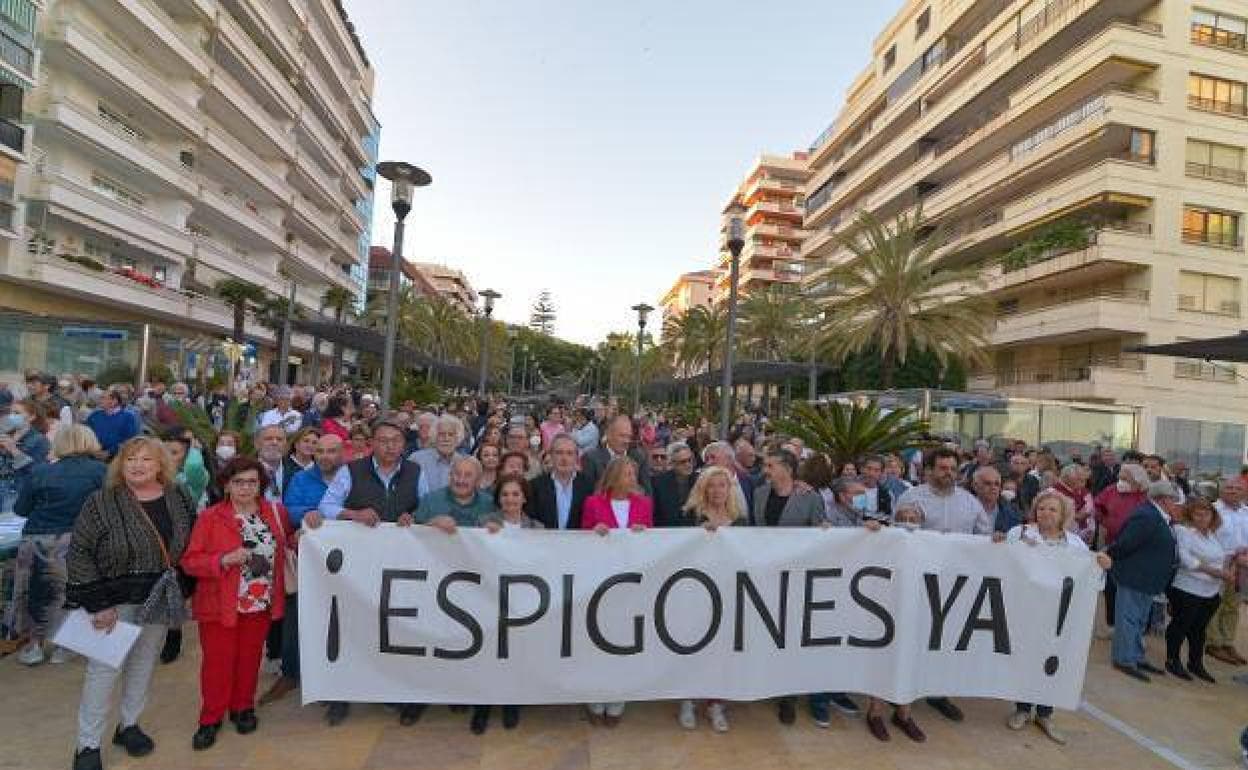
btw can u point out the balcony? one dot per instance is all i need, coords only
(1073, 315)
(71, 200)
(252, 111)
(1203, 34)
(225, 258)
(1217, 173)
(132, 148)
(1213, 238)
(1206, 371)
(252, 56)
(243, 212)
(780, 232)
(13, 136)
(1110, 250)
(239, 155)
(1219, 106)
(775, 208)
(1098, 379)
(154, 24)
(18, 56)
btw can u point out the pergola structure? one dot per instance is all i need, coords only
(369, 341)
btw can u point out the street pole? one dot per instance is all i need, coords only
(642, 310)
(404, 177)
(524, 372)
(511, 370)
(489, 295)
(736, 242)
(283, 349)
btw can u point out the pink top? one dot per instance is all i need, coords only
(597, 511)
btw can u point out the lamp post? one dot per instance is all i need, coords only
(404, 178)
(735, 243)
(489, 295)
(511, 370)
(524, 371)
(642, 310)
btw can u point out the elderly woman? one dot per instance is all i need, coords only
(1072, 482)
(1051, 512)
(1196, 590)
(23, 447)
(50, 502)
(1114, 506)
(237, 551)
(712, 504)
(618, 504)
(121, 559)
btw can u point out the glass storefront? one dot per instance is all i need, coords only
(1208, 448)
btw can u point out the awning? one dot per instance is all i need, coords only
(369, 341)
(1232, 349)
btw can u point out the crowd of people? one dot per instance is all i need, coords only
(131, 514)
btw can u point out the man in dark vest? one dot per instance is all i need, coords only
(370, 490)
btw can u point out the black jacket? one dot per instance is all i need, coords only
(545, 506)
(669, 501)
(594, 464)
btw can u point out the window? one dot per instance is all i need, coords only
(1211, 28)
(1216, 95)
(1206, 447)
(1218, 228)
(1219, 162)
(1143, 144)
(934, 56)
(922, 23)
(111, 188)
(1204, 293)
(160, 273)
(890, 58)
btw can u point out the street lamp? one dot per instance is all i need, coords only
(524, 371)
(404, 178)
(642, 310)
(511, 370)
(489, 295)
(735, 243)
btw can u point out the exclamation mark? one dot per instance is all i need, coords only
(1063, 606)
(333, 563)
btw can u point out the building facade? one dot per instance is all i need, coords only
(181, 143)
(450, 284)
(689, 291)
(1089, 156)
(771, 194)
(380, 267)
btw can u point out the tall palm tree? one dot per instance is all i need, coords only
(894, 293)
(695, 338)
(241, 296)
(439, 328)
(772, 321)
(340, 300)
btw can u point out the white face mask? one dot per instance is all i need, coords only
(1124, 487)
(226, 452)
(1007, 495)
(535, 441)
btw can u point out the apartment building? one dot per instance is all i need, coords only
(180, 143)
(689, 291)
(1089, 155)
(380, 268)
(771, 195)
(451, 284)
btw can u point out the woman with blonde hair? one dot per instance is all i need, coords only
(125, 545)
(50, 502)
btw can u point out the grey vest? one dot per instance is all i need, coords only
(367, 490)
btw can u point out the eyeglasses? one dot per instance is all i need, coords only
(683, 461)
(659, 457)
(248, 482)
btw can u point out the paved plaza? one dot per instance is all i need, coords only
(1126, 725)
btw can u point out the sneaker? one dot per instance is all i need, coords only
(719, 719)
(31, 654)
(688, 716)
(136, 742)
(841, 702)
(88, 759)
(61, 655)
(1018, 720)
(1046, 726)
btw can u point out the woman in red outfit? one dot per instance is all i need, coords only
(237, 551)
(337, 420)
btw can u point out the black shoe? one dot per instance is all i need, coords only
(135, 740)
(409, 713)
(788, 711)
(245, 721)
(459, 708)
(336, 712)
(205, 736)
(1198, 670)
(511, 717)
(480, 720)
(173, 646)
(88, 759)
(1132, 672)
(1147, 667)
(947, 709)
(1176, 668)
(841, 702)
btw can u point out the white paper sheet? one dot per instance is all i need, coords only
(79, 635)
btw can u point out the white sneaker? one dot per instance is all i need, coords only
(31, 654)
(61, 655)
(688, 717)
(1018, 720)
(719, 720)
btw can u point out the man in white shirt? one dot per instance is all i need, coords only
(436, 461)
(1233, 536)
(290, 420)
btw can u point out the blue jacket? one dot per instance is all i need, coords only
(113, 430)
(1008, 516)
(1144, 552)
(14, 470)
(303, 493)
(54, 494)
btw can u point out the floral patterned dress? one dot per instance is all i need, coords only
(255, 585)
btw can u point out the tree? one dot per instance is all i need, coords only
(438, 328)
(340, 300)
(847, 433)
(895, 294)
(542, 317)
(695, 339)
(241, 296)
(772, 323)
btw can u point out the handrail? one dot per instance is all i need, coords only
(1069, 298)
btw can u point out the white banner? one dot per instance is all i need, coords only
(523, 616)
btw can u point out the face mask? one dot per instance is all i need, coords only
(1124, 487)
(226, 452)
(859, 502)
(535, 441)
(13, 422)
(1007, 495)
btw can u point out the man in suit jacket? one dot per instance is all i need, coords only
(671, 488)
(559, 496)
(1144, 564)
(618, 441)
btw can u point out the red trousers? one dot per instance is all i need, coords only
(231, 665)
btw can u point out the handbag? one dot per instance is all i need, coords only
(290, 565)
(165, 604)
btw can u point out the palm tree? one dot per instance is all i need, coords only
(340, 300)
(894, 293)
(695, 338)
(848, 433)
(439, 328)
(241, 296)
(772, 321)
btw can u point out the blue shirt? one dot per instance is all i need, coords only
(113, 429)
(563, 499)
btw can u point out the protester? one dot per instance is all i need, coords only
(673, 487)
(617, 443)
(490, 457)
(559, 495)
(1114, 505)
(987, 485)
(462, 500)
(125, 543)
(1196, 590)
(435, 462)
(188, 461)
(1233, 536)
(1144, 555)
(1052, 512)
(302, 450)
(112, 423)
(585, 432)
(237, 553)
(23, 448)
(282, 414)
(879, 499)
(336, 419)
(1072, 482)
(618, 504)
(720, 453)
(50, 502)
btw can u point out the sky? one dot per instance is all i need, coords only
(587, 147)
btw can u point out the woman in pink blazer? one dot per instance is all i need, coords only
(618, 504)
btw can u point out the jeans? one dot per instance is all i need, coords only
(100, 681)
(8, 495)
(40, 577)
(1190, 615)
(1131, 612)
(1041, 711)
(290, 638)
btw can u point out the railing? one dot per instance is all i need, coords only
(1054, 11)
(1089, 109)
(16, 54)
(1221, 38)
(1217, 105)
(1201, 370)
(1139, 296)
(1066, 371)
(12, 135)
(1212, 238)
(1217, 173)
